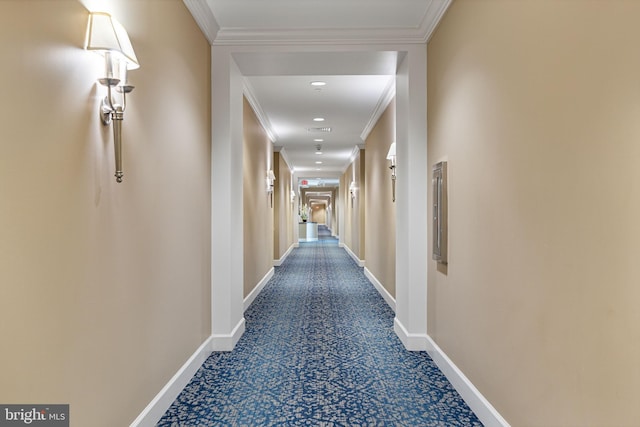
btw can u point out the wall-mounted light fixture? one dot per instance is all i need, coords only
(270, 178)
(352, 191)
(293, 196)
(439, 195)
(391, 156)
(106, 36)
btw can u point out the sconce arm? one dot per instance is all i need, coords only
(107, 106)
(112, 112)
(124, 90)
(393, 182)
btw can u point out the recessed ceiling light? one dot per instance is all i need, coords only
(318, 140)
(318, 119)
(318, 83)
(318, 152)
(318, 162)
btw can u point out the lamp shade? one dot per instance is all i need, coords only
(270, 175)
(392, 152)
(106, 34)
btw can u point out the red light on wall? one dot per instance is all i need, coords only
(304, 182)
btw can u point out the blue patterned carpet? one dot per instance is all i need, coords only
(319, 350)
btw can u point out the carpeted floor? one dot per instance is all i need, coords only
(319, 350)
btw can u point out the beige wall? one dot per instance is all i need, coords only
(380, 227)
(319, 213)
(105, 286)
(258, 213)
(354, 209)
(332, 212)
(284, 209)
(535, 104)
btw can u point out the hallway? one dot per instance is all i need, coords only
(319, 349)
(114, 294)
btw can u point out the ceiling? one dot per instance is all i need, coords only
(356, 86)
(318, 14)
(359, 85)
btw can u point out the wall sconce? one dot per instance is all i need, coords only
(439, 194)
(392, 157)
(106, 36)
(270, 178)
(293, 196)
(352, 191)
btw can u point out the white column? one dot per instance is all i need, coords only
(227, 319)
(412, 215)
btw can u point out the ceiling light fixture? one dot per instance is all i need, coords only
(318, 162)
(318, 119)
(318, 83)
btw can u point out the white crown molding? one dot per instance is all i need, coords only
(297, 36)
(434, 13)
(285, 157)
(205, 19)
(315, 36)
(203, 16)
(384, 101)
(355, 152)
(262, 117)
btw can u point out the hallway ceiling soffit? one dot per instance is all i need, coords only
(360, 84)
(258, 22)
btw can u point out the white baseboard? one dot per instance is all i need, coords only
(476, 401)
(258, 288)
(278, 262)
(385, 294)
(469, 393)
(163, 400)
(226, 342)
(358, 261)
(412, 342)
